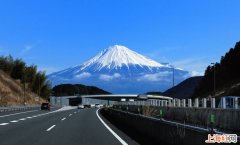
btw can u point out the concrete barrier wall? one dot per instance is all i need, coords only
(154, 131)
(225, 119)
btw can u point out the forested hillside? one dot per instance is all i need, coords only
(76, 89)
(227, 76)
(29, 77)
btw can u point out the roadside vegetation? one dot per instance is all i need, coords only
(28, 76)
(227, 76)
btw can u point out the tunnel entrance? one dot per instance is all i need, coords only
(75, 101)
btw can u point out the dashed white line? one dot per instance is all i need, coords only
(114, 134)
(51, 128)
(22, 119)
(18, 113)
(14, 121)
(4, 124)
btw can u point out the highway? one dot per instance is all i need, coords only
(60, 126)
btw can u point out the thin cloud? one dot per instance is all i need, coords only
(26, 49)
(195, 73)
(83, 75)
(154, 77)
(196, 66)
(159, 54)
(48, 70)
(106, 77)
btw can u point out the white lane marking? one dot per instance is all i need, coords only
(63, 119)
(59, 110)
(50, 128)
(75, 112)
(14, 121)
(70, 114)
(4, 124)
(67, 108)
(114, 134)
(18, 113)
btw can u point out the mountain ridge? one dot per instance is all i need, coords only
(119, 64)
(185, 89)
(79, 89)
(118, 55)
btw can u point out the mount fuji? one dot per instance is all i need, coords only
(120, 70)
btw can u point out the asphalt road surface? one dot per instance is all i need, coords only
(65, 126)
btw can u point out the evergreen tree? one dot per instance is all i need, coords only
(17, 69)
(227, 72)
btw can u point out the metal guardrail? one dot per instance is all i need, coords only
(17, 108)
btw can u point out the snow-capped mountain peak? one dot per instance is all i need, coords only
(121, 70)
(116, 56)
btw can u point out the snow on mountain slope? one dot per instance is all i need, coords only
(120, 65)
(115, 59)
(117, 56)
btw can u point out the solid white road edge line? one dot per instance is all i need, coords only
(18, 113)
(50, 128)
(114, 134)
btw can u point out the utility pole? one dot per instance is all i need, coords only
(39, 89)
(173, 72)
(24, 86)
(214, 79)
(24, 92)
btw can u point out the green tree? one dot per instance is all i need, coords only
(18, 69)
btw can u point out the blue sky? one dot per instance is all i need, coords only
(57, 34)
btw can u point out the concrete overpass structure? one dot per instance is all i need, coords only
(106, 99)
(118, 97)
(112, 98)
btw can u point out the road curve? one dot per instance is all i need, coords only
(69, 127)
